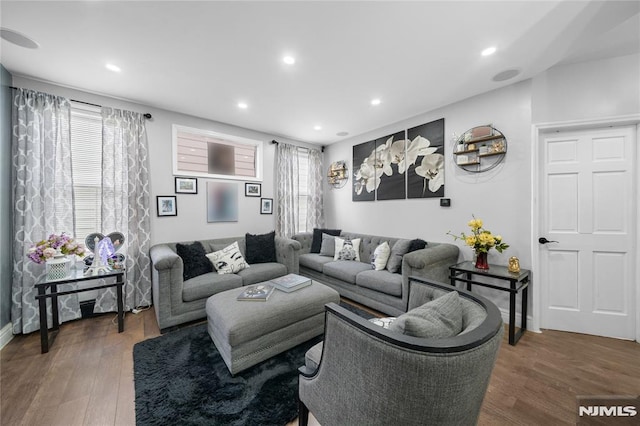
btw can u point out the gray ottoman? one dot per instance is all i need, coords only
(248, 332)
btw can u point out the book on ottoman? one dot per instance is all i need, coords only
(290, 282)
(257, 293)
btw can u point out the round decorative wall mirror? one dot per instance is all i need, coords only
(480, 149)
(337, 175)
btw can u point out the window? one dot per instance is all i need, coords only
(209, 154)
(86, 163)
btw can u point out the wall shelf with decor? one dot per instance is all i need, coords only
(480, 149)
(337, 175)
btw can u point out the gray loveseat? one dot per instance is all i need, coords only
(177, 301)
(381, 290)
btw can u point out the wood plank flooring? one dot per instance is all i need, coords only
(87, 376)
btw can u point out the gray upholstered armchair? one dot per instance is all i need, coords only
(365, 374)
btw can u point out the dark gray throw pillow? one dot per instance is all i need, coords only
(260, 248)
(399, 249)
(417, 244)
(194, 260)
(440, 318)
(316, 242)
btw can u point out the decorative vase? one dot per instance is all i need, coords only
(481, 261)
(58, 267)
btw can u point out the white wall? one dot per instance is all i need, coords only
(594, 89)
(191, 222)
(501, 197)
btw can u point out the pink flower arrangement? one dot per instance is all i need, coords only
(47, 249)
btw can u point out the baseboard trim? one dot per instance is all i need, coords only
(505, 318)
(6, 334)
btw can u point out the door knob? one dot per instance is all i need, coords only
(543, 240)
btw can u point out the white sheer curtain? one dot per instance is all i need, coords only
(125, 202)
(315, 211)
(42, 197)
(288, 169)
(288, 191)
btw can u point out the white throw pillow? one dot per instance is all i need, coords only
(229, 260)
(380, 256)
(347, 249)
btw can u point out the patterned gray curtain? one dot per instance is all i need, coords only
(288, 167)
(287, 189)
(42, 197)
(315, 212)
(125, 204)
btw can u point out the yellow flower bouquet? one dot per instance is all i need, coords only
(481, 240)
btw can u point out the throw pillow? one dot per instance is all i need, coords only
(316, 242)
(260, 248)
(229, 260)
(417, 244)
(194, 260)
(440, 318)
(347, 249)
(399, 249)
(328, 247)
(381, 256)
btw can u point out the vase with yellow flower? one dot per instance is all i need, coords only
(481, 240)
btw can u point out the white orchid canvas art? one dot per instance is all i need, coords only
(390, 171)
(403, 165)
(364, 172)
(425, 160)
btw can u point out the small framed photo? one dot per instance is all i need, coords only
(167, 205)
(186, 185)
(252, 189)
(266, 205)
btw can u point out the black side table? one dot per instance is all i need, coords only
(76, 276)
(468, 273)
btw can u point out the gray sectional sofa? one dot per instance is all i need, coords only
(381, 290)
(177, 301)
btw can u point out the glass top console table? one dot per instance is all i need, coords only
(48, 289)
(467, 272)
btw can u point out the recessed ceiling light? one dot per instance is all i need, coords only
(242, 105)
(375, 101)
(112, 67)
(317, 127)
(289, 60)
(342, 134)
(18, 39)
(489, 51)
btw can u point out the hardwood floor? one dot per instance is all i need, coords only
(87, 376)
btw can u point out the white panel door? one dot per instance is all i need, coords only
(587, 209)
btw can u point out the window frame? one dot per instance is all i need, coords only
(255, 144)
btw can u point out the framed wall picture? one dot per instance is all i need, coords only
(266, 205)
(252, 189)
(186, 185)
(222, 202)
(167, 205)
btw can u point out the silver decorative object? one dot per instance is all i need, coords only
(99, 266)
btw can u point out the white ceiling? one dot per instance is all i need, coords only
(202, 58)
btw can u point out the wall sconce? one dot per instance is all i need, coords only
(338, 175)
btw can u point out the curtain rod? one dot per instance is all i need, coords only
(145, 115)
(276, 142)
